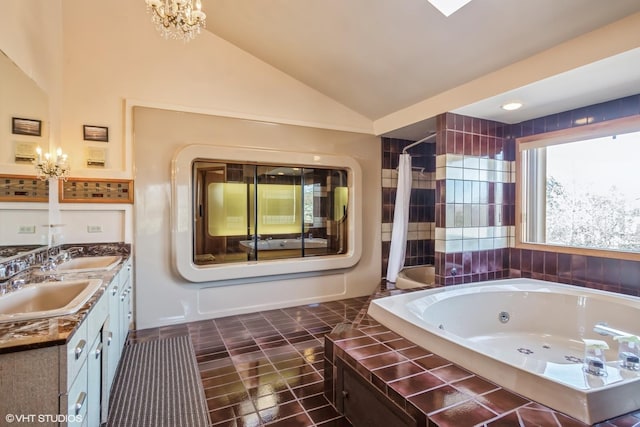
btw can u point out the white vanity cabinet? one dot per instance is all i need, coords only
(126, 298)
(74, 379)
(111, 336)
(116, 328)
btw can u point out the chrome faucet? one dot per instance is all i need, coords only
(49, 265)
(603, 329)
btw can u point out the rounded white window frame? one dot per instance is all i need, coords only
(182, 214)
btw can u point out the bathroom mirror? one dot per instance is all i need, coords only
(21, 98)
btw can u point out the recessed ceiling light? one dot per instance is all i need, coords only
(447, 7)
(511, 106)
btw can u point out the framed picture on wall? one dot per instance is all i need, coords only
(30, 127)
(95, 133)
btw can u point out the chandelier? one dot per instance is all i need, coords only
(177, 19)
(57, 168)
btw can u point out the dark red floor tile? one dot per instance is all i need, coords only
(300, 420)
(323, 414)
(280, 411)
(314, 402)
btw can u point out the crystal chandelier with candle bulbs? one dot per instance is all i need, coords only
(49, 167)
(177, 19)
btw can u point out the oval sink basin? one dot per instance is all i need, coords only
(46, 299)
(89, 263)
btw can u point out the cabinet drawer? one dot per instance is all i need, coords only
(97, 317)
(76, 353)
(77, 398)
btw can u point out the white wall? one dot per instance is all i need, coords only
(96, 60)
(113, 53)
(163, 297)
(114, 59)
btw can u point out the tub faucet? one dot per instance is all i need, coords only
(603, 328)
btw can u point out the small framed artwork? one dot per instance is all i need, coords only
(26, 126)
(95, 133)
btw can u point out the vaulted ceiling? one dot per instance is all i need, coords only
(378, 57)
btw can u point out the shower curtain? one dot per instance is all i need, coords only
(400, 219)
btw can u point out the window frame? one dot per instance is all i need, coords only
(581, 132)
(243, 272)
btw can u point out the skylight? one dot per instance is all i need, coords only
(447, 7)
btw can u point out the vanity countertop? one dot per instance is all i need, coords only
(37, 333)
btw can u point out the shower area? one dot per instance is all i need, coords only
(420, 242)
(254, 212)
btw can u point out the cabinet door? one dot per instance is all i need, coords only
(123, 302)
(126, 313)
(364, 405)
(111, 333)
(94, 382)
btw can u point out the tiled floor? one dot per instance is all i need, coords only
(265, 368)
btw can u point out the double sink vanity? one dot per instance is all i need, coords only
(63, 324)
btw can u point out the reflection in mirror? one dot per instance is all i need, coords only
(250, 212)
(21, 225)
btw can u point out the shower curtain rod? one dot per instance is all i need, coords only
(426, 138)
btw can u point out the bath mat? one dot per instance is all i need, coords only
(158, 384)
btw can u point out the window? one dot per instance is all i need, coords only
(255, 212)
(579, 187)
(240, 214)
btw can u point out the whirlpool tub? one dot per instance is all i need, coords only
(525, 335)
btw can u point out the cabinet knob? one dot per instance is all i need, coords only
(80, 402)
(345, 394)
(79, 348)
(98, 351)
(114, 291)
(109, 338)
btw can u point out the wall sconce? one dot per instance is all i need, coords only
(56, 168)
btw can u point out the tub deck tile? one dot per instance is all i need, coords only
(460, 399)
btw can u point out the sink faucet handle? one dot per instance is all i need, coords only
(49, 265)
